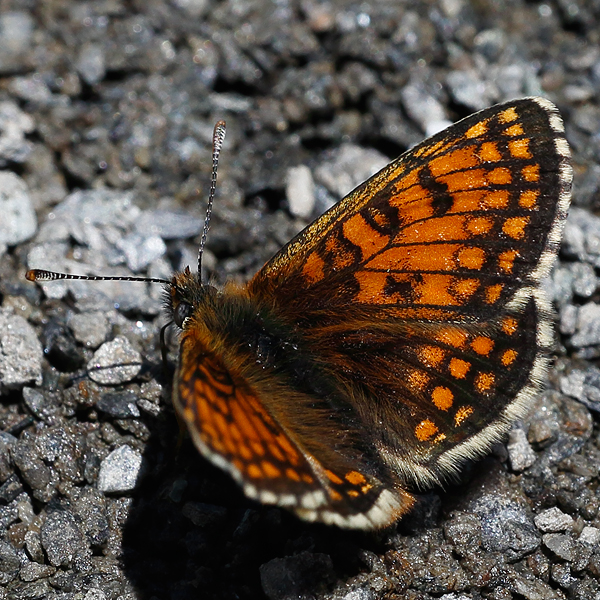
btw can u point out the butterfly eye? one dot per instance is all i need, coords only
(182, 311)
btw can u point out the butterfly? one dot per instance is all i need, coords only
(397, 336)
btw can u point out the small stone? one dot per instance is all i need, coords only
(115, 362)
(63, 541)
(520, 452)
(469, 89)
(583, 385)
(98, 594)
(140, 251)
(41, 407)
(588, 326)
(584, 279)
(168, 224)
(561, 285)
(10, 489)
(33, 571)
(120, 405)
(120, 470)
(590, 536)
(194, 8)
(506, 526)
(20, 352)
(18, 222)
(568, 319)
(351, 167)
(300, 191)
(89, 508)
(7, 441)
(463, 531)
(532, 589)
(553, 520)
(14, 125)
(16, 29)
(423, 108)
(89, 328)
(60, 347)
(33, 545)
(562, 545)
(91, 64)
(9, 563)
(31, 89)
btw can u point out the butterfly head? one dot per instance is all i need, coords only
(184, 294)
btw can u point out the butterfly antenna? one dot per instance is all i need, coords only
(217, 143)
(43, 275)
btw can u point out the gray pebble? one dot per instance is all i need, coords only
(588, 326)
(568, 319)
(33, 571)
(553, 520)
(423, 108)
(583, 385)
(194, 8)
(91, 63)
(506, 526)
(16, 29)
(14, 124)
(140, 251)
(90, 217)
(9, 563)
(532, 589)
(7, 441)
(562, 545)
(590, 536)
(31, 89)
(120, 470)
(469, 89)
(120, 405)
(168, 224)
(89, 328)
(33, 545)
(63, 541)
(18, 222)
(300, 191)
(520, 452)
(584, 279)
(20, 352)
(89, 508)
(581, 237)
(41, 407)
(351, 166)
(115, 362)
(463, 531)
(561, 285)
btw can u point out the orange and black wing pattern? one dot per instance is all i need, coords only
(233, 427)
(398, 335)
(420, 289)
(451, 228)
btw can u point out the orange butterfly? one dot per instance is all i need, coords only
(398, 335)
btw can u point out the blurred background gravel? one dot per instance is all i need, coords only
(106, 114)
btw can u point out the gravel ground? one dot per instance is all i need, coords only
(106, 113)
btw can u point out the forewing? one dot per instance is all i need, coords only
(451, 229)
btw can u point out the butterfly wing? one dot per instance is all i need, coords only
(228, 417)
(419, 291)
